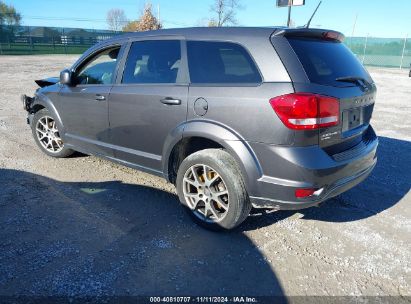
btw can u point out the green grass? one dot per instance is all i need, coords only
(41, 49)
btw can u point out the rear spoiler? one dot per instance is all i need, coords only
(310, 33)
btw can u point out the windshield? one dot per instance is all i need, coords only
(326, 61)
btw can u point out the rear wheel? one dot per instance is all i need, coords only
(47, 135)
(210, 186)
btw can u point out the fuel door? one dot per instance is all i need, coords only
(200, 107)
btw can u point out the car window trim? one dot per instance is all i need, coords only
(226, 84)
(182, 76)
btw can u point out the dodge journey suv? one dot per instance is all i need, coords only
(234, 117)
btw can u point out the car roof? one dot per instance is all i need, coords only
(216, 33)
(202, 33)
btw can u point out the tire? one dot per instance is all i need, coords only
(43, 123)
(209, 206)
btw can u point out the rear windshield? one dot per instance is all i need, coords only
(325, 61)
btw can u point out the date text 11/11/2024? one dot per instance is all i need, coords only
(239, 299)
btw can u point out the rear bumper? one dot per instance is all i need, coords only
(334, 190)
(289, 168)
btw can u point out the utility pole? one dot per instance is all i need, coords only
(403, 51)
(289, 15)
(353, 28)
(289, 4)
(158, 13)
(365, 48)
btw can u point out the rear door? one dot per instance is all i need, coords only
(331, 69)
(226, 88)
(148, 101)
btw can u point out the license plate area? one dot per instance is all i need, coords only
(352, 118)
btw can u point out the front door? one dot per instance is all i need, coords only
(84, 104)
(148, 102)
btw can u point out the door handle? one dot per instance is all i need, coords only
(171, 101)
(100, 97)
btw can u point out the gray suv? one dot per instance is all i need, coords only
(234, 117)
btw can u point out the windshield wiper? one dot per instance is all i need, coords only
(353, 79)
(356, 80)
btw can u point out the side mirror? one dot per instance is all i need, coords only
(65, 77)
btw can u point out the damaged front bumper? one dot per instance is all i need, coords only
(27, 105)
(27, 102)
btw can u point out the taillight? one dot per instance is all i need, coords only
(300, 111)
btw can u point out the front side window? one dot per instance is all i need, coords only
(100, 69)
(220, 62)
(153, 61)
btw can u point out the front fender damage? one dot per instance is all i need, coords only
(28, 106)
(27, 102)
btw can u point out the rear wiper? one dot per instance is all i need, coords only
(356, 80)
(353, 79)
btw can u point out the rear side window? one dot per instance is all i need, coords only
(325, 61)
(153, 61)
(220, 62)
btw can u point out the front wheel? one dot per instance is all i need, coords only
(47, 135)
(211, 187)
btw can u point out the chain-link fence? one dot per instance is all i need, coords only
(382, 52)
(25, 40)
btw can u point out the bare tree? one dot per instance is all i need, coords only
(116, 19)
(146, 22)
(226, 12)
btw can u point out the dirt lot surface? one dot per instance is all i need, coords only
(83, 226)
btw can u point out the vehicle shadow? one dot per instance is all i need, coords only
(386, 186)
(77, 154)
(113, 239)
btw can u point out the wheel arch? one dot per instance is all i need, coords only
(42, 101)
(213, 135)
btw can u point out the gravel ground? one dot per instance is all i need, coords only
(83, 226)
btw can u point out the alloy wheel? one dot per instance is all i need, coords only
(206, 193)
(48, 134)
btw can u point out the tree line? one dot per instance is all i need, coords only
(9, 15)
(223, 14)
